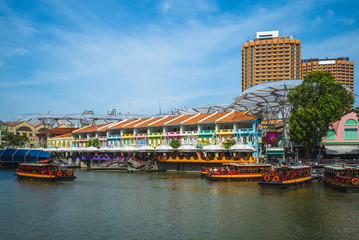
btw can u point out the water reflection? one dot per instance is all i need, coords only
(112, 205)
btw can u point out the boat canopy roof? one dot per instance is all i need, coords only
(339, 167)
(22, 155)
(38, 164)
(247, 164)
(298, 167)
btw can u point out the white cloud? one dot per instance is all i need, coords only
(347, 21)
(194, 62)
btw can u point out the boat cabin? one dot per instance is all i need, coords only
(343, 178)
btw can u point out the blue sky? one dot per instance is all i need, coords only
(67, 56)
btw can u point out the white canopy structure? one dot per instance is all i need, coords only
(213, 148)
(187, 148)
(240, 147)
(164, 148)
(146, 148)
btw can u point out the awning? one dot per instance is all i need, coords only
(275, 151)
(342, 149)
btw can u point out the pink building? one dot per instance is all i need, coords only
(342, 138)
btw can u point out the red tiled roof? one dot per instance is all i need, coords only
(238, 116)
(163, 121)
(146, 124)
(139, 121)
(120, 124)
(59, 131)
(178, 120)
(13, 124)
(91, 128)
(214, 117)
(64, 135)
(104, 128)
(197, 118)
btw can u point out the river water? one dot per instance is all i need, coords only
(115, 205)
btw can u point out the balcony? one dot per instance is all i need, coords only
(206, 133)
(245, 131)
(141, 135)
(157, 134)
(225, 132)
(189, 133)
(127, 136)
(172, 134)
(116, 136)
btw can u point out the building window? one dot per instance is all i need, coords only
(351, 134)
(351, 122)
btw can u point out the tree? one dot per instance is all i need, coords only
(317, 103)
(229, 143)
(175, 143)
(14, 140)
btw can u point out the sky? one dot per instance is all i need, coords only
(64, 56)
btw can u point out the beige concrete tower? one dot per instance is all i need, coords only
(270, 57)
(341, 68)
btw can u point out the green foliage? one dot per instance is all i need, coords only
(317, 103)
(92, 142)
(2, 146)
(89, 143)
(175, 143)
(229, 143)
(95, 143)
(203, 142)
(14, 140)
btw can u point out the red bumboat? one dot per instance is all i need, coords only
(43, 171)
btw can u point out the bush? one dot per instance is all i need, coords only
(175, 143)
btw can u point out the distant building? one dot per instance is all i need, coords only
(29, 130)
(113, 112)
(341, 68)
(89, 112)
(270, 57)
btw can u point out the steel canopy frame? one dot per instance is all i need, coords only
(206, 108)
(268, 99)
(49, 119)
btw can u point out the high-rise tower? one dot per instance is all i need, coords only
(270, 57)
(341, 68)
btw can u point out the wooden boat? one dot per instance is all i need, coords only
(342, 178)
(283, 177)
(238, 172)
(43, 171)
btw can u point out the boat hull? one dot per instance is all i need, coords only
(235, 177)
(286, 184)
(342, 188)
(40, 177)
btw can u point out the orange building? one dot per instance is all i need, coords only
(341, 68)
(270, 57)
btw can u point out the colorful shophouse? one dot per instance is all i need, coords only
(342, 138)
(197, 130)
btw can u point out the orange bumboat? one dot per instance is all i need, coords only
(238, 172)
(283, 177)
(343, 178)
(44, 172)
